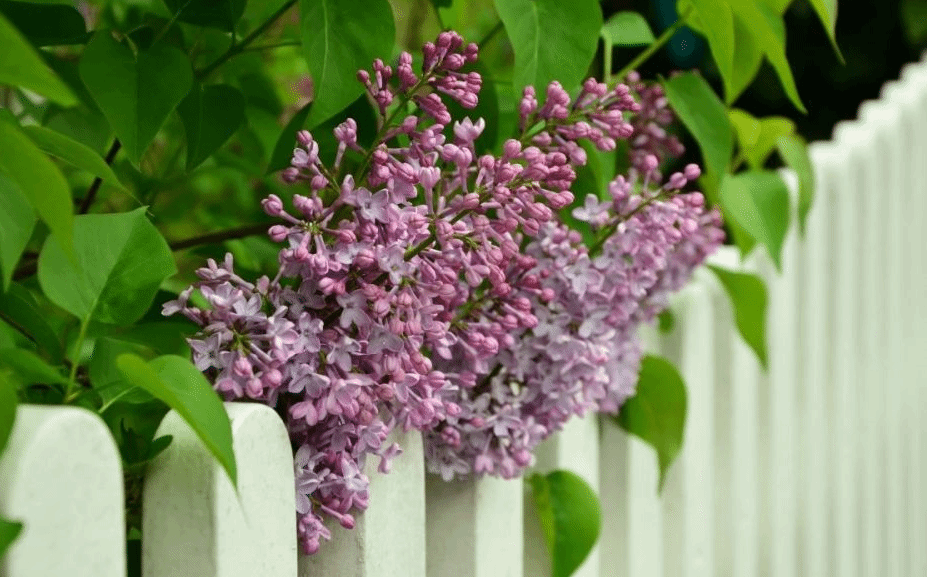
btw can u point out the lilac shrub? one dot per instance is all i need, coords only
(423, 286)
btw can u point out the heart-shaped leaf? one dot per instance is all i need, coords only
(17, 220)
(210, 115)
(339, 38)
(552, 39)
(570, 517)
(759, 202)
(747, 294)
(122, 259)
(74, 153)
(39, 181)
(136, 96)
(656, 413)
(178, 383)
(21, 66)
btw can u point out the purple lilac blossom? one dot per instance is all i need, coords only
(435, 289)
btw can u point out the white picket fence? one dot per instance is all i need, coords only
(816, 467)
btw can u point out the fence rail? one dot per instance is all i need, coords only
(816, 467)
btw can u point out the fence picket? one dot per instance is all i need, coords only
(474, 527)
(194, 522)
(389, 538)
(62, 480)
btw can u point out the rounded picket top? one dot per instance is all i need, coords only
(61, 477)
(195, 523)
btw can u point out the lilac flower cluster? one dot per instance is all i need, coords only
(419, 282)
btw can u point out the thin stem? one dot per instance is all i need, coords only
(222, 235)
(656, 45)
(95, 185)
(78, 345)
(236, 49)
(489, 35)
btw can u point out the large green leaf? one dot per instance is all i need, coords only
(9, 531)
(570, 518)
(17, 220)
(759, 202)
(627, 29)
(122, 259)
(340, 38)
(656, 413)
(30, 368)
(222, 14)
(747, 294)
(552, 39)
(794, 152)
(703, 113)
(46, 24)
(19, 308)
(22, 67)
(210, 115)
(827, 13)
(768, 30)
(72, 152)
(39, 181)
(178, 383)
(135, 95)
(714, 20)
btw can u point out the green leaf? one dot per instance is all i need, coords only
(178, 383)
(759, 137)
(39, 181)
(122, 259)
(222, 14)
(627, 29)
(747, 294)
(107, 379)
(136, 96)
(72, 152)
(570, 518)
(794, 153)
(21, 66)
(768, 30)
(552, 39)
(827, 13)
(17, 220)
(8, 402)
(46, 24)
(9, 531)
(30, 368)
(759, 202)
(705, 116)
(339, 38)
(18, 307)
(210, 115)
(656, 413)
(715, 21)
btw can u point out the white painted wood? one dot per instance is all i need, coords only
(474, 527)
(688, 497)
(196, 524)
(389, 537)
(576, 449)
(61, 477)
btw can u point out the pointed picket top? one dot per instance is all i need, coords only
(62, 479)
